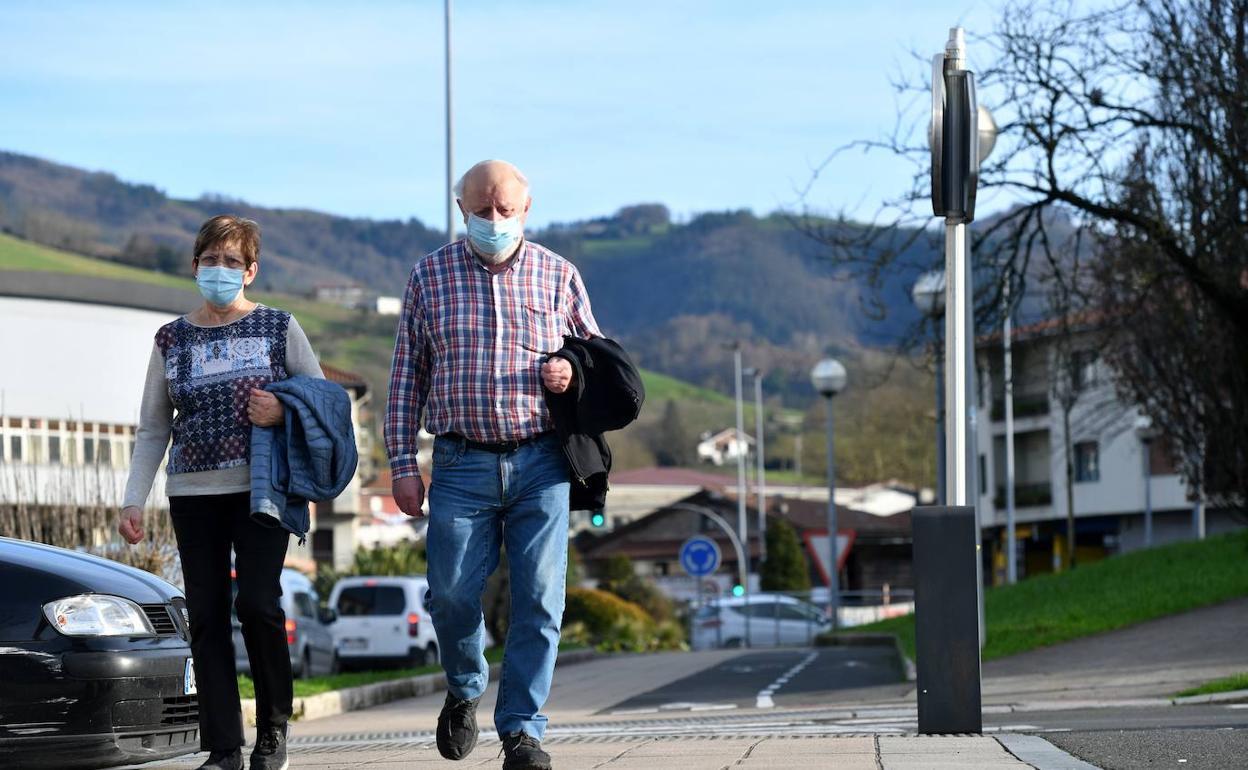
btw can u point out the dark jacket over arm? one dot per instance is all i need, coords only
(606, 394)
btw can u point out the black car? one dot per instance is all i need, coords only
(95, 662)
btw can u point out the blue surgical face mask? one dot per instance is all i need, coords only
(219, 285)
(492, 237)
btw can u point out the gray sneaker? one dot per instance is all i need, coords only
(223, 760)
(270, 750)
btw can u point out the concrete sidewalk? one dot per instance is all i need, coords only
(692, 753)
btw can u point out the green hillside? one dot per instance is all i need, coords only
(1109, 594)
(363, 343)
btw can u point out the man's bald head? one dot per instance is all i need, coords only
(494, 191)
(489, 177)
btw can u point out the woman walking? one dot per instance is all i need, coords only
(204, 389)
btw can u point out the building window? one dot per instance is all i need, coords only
(88, 450)
(104, 452)
(15, 448)
(54, 450)
(983, 474)
(1087, 461)
(1083, 369)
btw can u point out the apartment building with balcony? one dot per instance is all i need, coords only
(1112, 460)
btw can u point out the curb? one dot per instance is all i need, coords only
(1231, 696)
(1040, 754)
(364, 696)
(869, 640)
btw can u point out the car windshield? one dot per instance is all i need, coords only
(363, 601)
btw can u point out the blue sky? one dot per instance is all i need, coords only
(701, 105)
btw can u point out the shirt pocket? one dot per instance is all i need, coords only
(542, 329)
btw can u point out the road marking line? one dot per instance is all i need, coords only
(763, 699)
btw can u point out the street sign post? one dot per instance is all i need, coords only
(949, 622)
(699, 556)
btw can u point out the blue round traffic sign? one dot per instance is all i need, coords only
(699, 556)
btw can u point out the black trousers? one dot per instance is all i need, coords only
(207, 526)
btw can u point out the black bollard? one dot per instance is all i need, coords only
(946, 634)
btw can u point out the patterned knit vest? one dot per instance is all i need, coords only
(210, 372)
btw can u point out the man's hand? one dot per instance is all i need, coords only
(131, 524)
(264, 409)
(409, 493)
(557, 374)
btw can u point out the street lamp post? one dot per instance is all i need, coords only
(929, 298)
(450, 148)
(736, 383)
(1007, 333)
(1144, 429)
(829, 378)
(761, 488)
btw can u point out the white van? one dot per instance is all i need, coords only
(382, 622)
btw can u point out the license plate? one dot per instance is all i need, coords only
(188, 679)
(355, 644)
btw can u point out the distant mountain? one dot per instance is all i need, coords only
(674, 292)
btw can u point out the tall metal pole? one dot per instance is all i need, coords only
(957, 366)
(1148, 495)
(741, 523)
(1011, 564)
(762, 471)
(801, 480)
(941, 492)
(833, 576)
(450, 146)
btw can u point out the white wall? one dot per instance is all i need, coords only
(72, 360)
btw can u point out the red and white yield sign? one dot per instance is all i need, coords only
(817, 548)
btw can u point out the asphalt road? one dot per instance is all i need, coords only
(737, 682)
(1196, 749)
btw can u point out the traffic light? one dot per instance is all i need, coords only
(738, 590)
(598, 520)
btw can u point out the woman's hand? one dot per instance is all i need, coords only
(264, 409)
(131, 524)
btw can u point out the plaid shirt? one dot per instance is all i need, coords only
(470, 346)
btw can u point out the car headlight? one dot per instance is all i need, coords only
(97, 615)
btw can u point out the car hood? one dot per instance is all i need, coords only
(49, 573)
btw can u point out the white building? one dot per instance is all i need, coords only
(1109, 460)
(75, 351)
(725, 446)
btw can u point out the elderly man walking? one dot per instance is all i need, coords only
(479, 316)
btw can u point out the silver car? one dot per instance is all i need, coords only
(308, 634)
(775, 620)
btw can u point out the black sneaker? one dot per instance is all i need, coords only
(524, 752)
(270, 750)
(457, 727)
(224, 760)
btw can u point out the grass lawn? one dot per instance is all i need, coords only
(1117, 592)
(16, 254)
(319, 684)
(1236, 682)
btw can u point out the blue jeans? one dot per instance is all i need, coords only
(477, 501)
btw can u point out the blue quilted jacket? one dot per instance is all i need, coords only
(312, 456)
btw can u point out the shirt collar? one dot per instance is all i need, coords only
(512, 264)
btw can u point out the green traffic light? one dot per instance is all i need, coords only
(598, 519)
(738, 590)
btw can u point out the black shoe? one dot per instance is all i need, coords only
(524, 752)
(270, 750)
(224, 760)
(457, 727)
